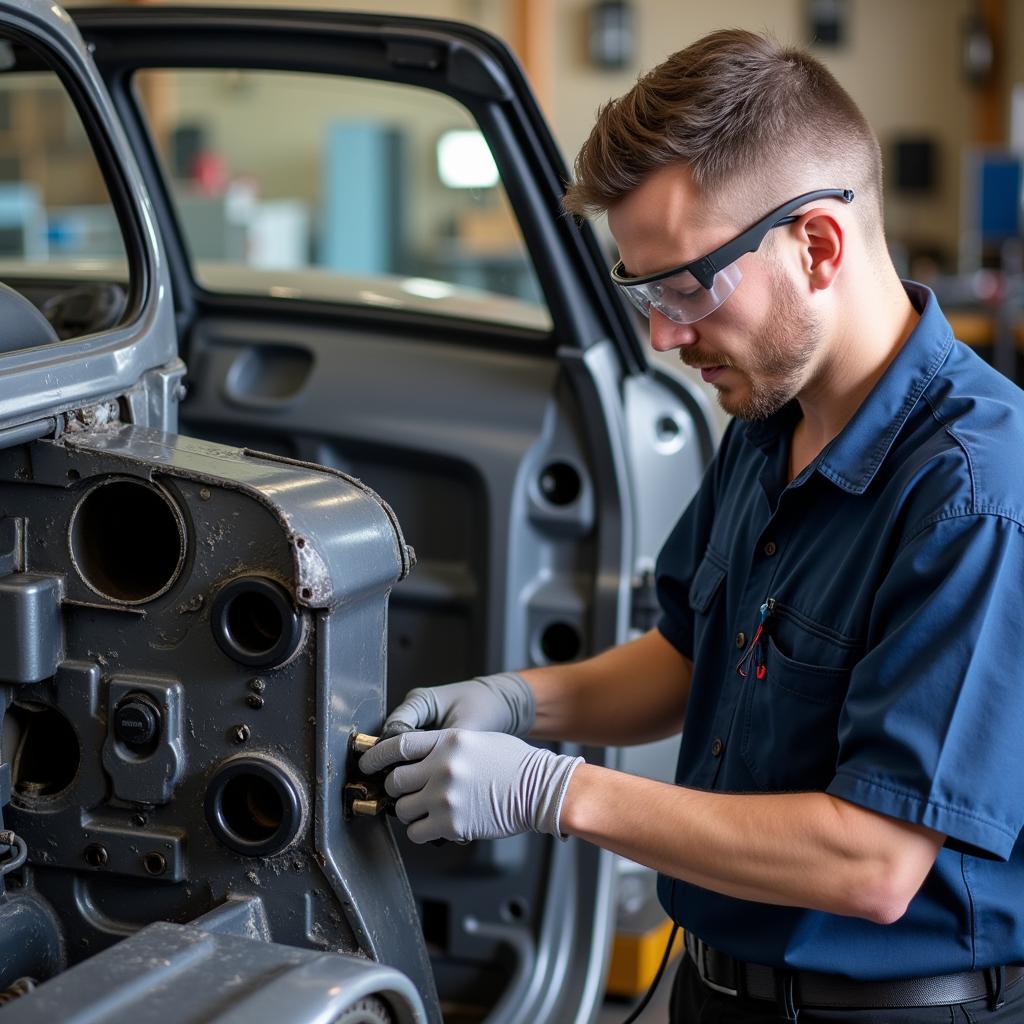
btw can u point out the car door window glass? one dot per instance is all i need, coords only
(358, 191)
(61, 245)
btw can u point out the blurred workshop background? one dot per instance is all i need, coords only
(256, 157)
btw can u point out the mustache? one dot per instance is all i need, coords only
(698, 360)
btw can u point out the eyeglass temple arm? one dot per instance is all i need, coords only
(705, 269)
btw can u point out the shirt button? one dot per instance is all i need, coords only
(741, 640)
(717, 747)
(770, 548)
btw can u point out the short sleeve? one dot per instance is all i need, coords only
(933, 723)
(681, 557)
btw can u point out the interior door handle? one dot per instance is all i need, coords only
(268, 376)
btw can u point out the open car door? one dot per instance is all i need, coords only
(347, 303)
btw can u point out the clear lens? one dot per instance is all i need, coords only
(681, 297)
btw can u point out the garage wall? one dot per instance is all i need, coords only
(1015, 49)
(900, 64)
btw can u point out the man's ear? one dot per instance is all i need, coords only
(822, 240)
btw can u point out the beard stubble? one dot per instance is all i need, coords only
(779, 355)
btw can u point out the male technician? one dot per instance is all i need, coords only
(843, 601)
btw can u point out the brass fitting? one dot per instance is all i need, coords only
(366, 808)
(362, 798)
(361, 742)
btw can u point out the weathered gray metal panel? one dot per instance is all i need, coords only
(147, 529)
(148, 778)
(320, 498)
(32, 942)
(31, 638)
(180, 973)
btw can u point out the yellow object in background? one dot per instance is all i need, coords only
(636, 957)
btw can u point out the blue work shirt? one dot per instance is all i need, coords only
(891, 664)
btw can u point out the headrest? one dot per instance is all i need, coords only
(21, 324)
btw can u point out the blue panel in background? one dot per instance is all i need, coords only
(23, 226)
(1001, 177)
(359, 229)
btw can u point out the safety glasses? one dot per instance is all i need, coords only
(689, 292)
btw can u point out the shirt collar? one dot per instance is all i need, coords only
(852, 459)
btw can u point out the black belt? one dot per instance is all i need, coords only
(722, 973)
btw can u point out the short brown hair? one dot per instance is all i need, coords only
(750, 118)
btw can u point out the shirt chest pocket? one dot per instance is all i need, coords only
(707, 580)
(706, 596)
(790, 716)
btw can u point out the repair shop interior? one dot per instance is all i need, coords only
(316, 399)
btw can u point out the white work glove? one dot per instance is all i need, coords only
(464, 785)
(498, 703)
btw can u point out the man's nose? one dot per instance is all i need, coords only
(667, 334)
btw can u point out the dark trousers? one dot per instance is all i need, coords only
(693, 1002)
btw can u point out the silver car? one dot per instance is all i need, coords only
(309, 393)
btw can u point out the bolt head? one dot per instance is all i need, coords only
(154, 863)
(95, 855)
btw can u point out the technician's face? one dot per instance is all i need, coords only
(756, 349)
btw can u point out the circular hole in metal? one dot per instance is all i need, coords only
(560, 484)
(253, 807)
(154, 863)
(73, 474)
(669, 434)
(45, 749)
(560, 641)
(254, 621)
(667, 429)
(95, 855)
(514, 910)
(127, 541)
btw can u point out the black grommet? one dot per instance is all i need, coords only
(560, 483)
(254, 622)
(252, 806)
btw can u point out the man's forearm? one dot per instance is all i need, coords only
(790, 849)
(633, 693)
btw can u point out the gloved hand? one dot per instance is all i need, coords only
(464, 785)
(498, 703)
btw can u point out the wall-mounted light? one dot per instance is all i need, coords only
(464, 160)
(611, 37)
(978, 49)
